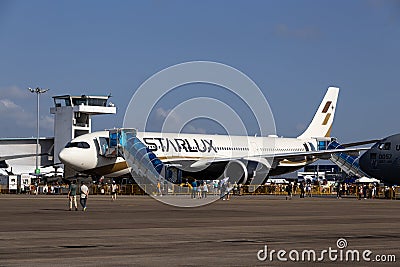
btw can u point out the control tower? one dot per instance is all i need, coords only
(73, 117)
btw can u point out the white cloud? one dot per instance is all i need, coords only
(20, 122)
(7, 105)
(162, 114)
(47, 123)
(16, 111)
(301, 33)
(14, 92)
(15, 114)
(191, 129)
(175, 122)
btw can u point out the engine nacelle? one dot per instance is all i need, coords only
(237, 171)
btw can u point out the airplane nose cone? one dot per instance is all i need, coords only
(63, 156)
(363, 161)
(77, 159)
(366, 163)
(69, 158)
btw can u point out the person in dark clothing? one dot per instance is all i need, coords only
(194, 188)
(222, 188)
(302, 189)
(338, 191)
(365, 188)
(289, 189)
(72, 195)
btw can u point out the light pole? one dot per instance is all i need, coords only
(38, 91)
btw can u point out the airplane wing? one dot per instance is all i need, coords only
(2, 158)
(373, 141)
(321, 154)
(8, 157)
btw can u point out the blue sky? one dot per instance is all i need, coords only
(293, 50)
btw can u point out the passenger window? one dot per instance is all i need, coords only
(83, 145)
(77, 144)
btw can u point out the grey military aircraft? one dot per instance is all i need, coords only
(382, 160)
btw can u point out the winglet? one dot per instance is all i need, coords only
(321, 124)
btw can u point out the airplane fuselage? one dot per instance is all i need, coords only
(186, 149)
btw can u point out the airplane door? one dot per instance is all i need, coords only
(103, 145)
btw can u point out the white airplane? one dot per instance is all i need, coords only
(201, 155)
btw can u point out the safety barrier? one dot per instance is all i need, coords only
(134, 189)
(352, 190)
(281, 190)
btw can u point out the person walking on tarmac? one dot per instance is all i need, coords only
(114, 189)
(84, 195)
(302, 189)
(289, 189)
(72, 195)
(194, 189)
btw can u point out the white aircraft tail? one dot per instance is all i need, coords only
(321, 124)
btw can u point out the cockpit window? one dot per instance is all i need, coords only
(78, 145)
(384, 146)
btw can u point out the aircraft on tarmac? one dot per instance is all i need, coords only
(18, 168)
(382, 160)
(200, 155)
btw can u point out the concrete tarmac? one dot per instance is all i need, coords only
(139, 231)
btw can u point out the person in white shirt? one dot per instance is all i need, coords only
(84, 195)
(204, 190)
(114, 189)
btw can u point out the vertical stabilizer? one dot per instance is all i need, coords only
(321, 124)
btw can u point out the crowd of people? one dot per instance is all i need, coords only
(198, 189)
(362, 190)
(46, 188)
(222, 188)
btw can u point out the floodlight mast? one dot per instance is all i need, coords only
(38, 91)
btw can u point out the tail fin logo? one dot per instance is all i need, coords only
(326, 119)
(325, 110)
(326, 107)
